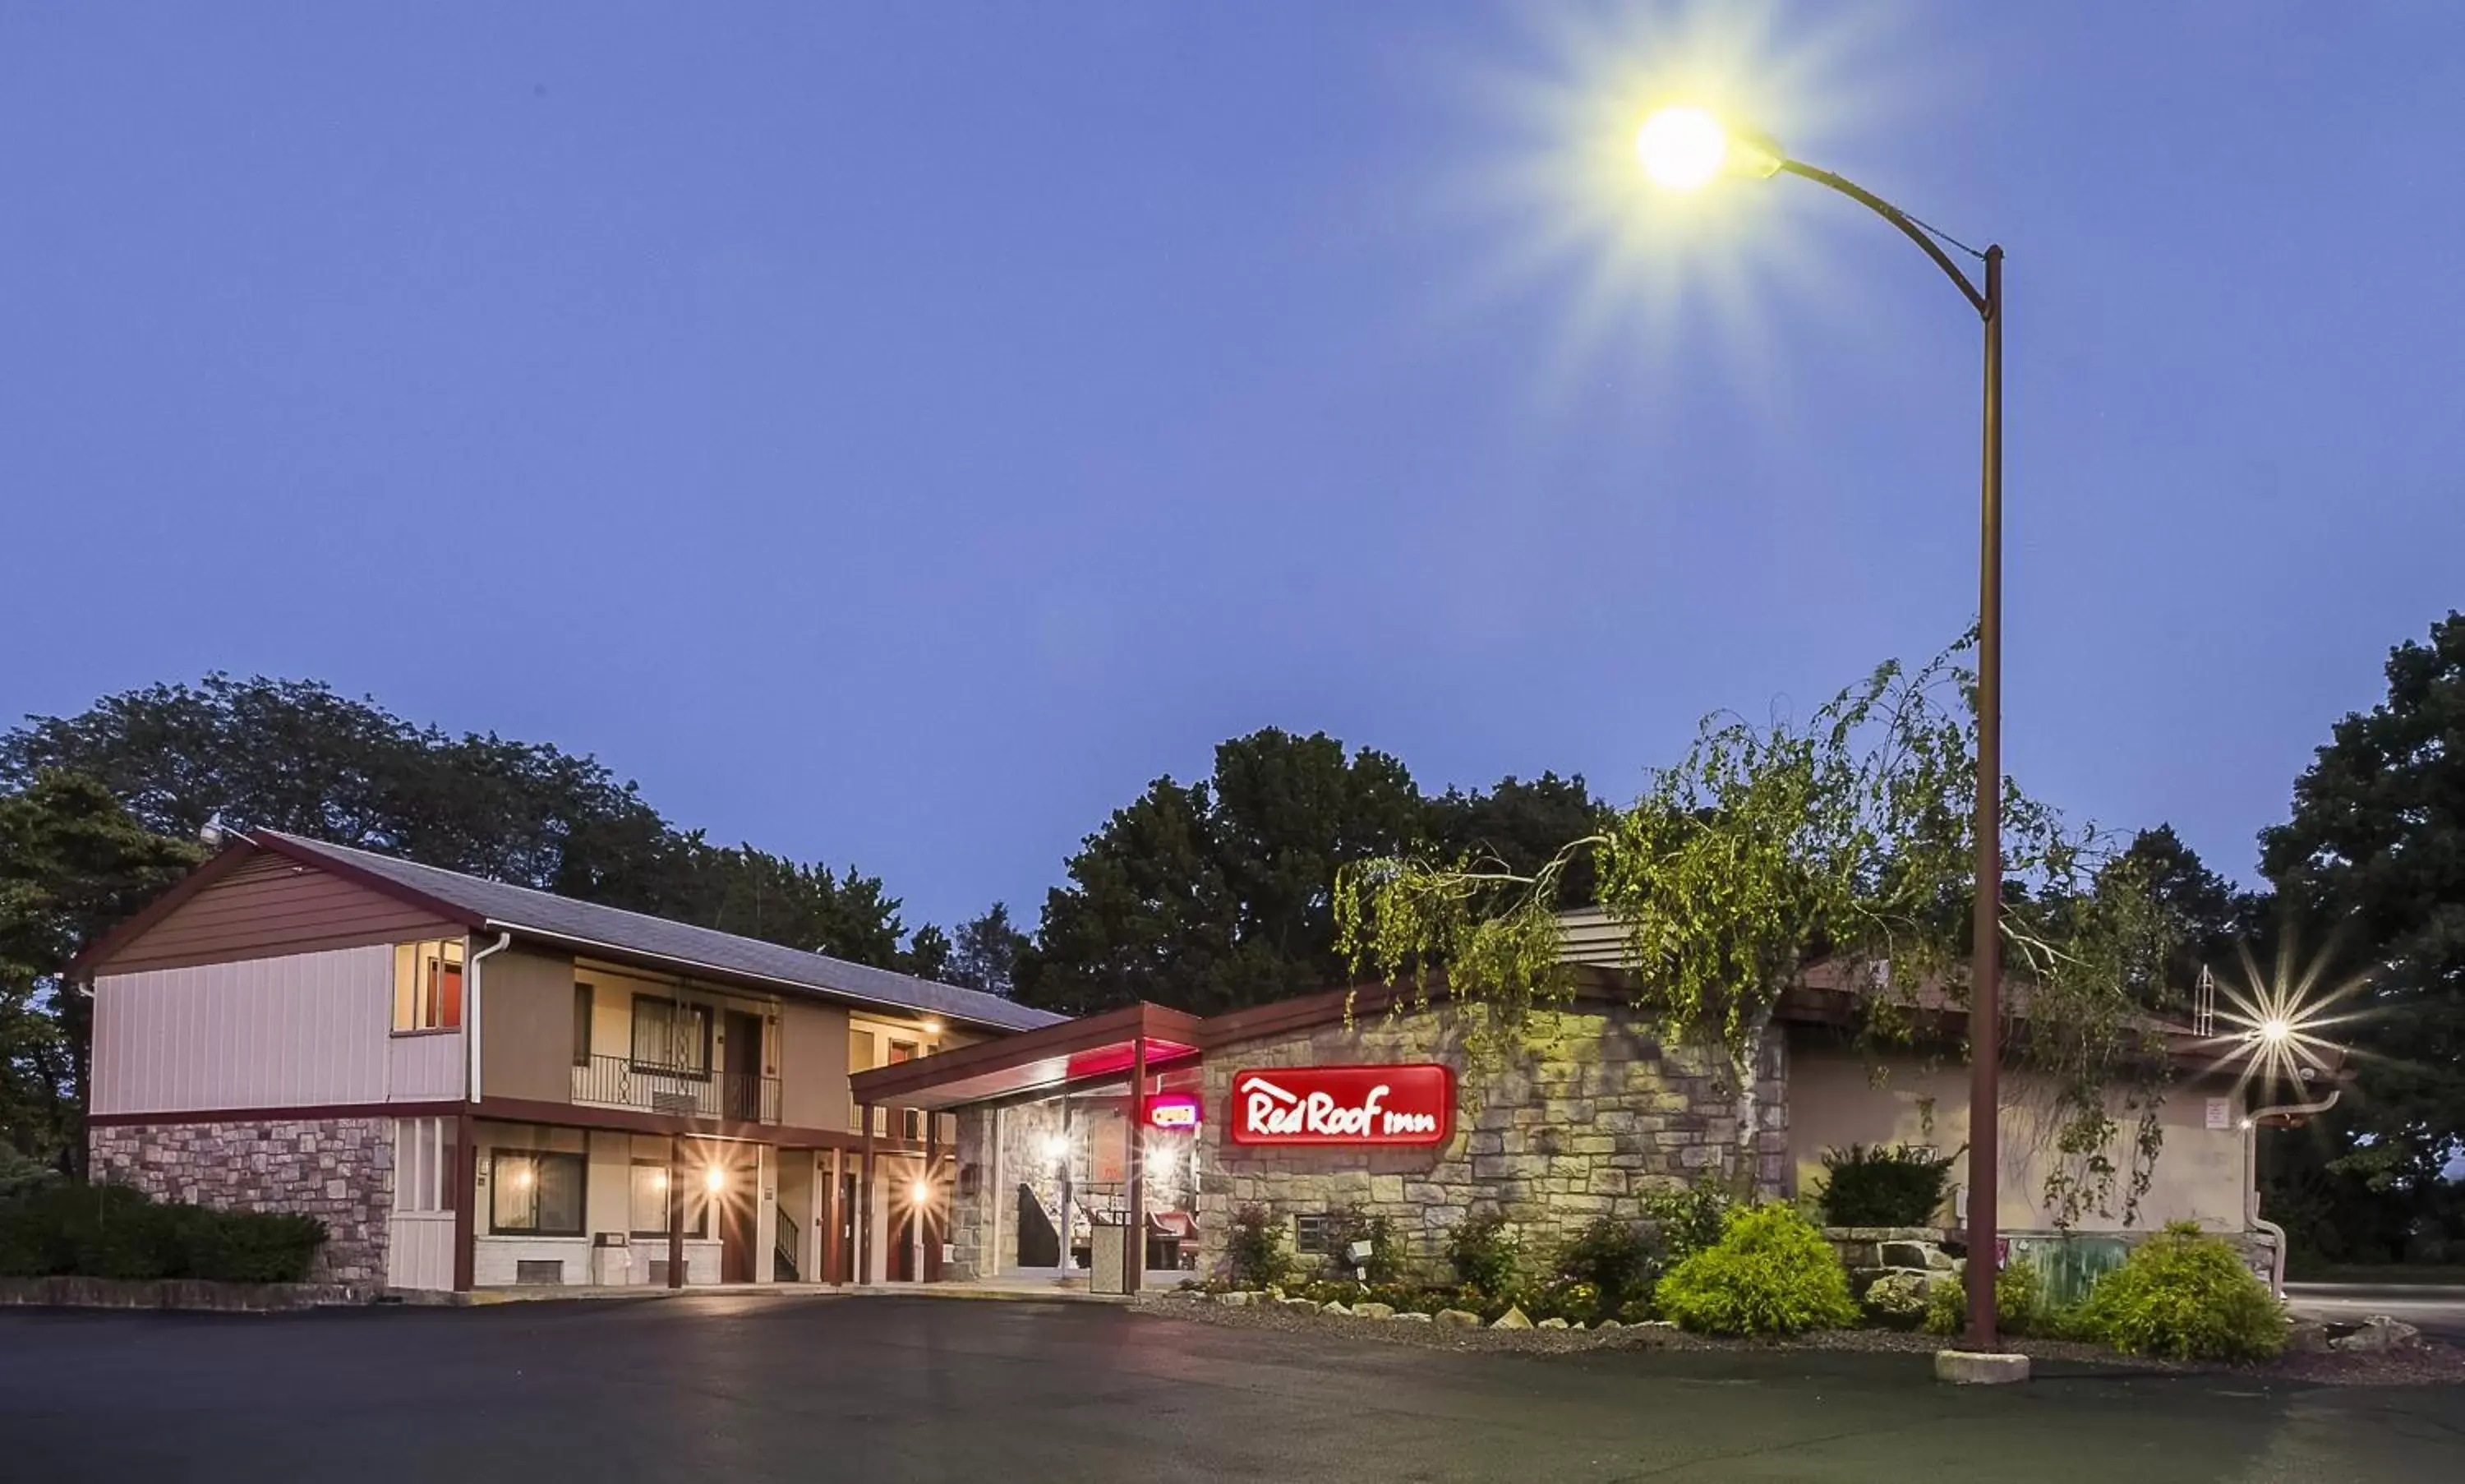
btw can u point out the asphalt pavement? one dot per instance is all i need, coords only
(825, 1388)
(2437, 1311)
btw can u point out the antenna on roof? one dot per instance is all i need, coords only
(214, 831)
(2204, 1003)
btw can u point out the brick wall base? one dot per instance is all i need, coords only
(338, 1171)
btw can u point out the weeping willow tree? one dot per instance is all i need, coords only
(1843, 841)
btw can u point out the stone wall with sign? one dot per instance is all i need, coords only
(1577, 1114)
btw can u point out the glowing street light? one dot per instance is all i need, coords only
(1684, 148)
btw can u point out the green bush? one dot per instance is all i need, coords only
(1637, 1311)
(1255, 1249)
(1351, 1225)
(112, 1231)
(1883, 1187)
(2186, 1295)
(1615, 1259)
(2020, 1306)
(1486, 1253)
(1770, 1273)
(1689, 1220)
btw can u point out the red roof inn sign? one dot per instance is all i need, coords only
(1357, 1106)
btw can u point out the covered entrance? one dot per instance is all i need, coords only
(1076, 1157)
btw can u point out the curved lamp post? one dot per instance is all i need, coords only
(1683, 148)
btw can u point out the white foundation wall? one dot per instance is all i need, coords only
(1836, 1099)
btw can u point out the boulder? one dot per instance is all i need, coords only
(1512, 1318)
(2379, 1334)
(1552, 1323)
(1897, 1298)
(1458, 1318)
(1366, 1310)
(1612, 1324)
(1920, 1256)
(1337, 1307)
(1311, 1304)
(1411, 1316)
(2306, 1337)
(1236, 1299)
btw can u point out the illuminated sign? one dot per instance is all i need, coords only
(1411, 1104)
(1177, 1112)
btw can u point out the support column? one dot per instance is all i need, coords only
(466, 1197)
(928, 1257)
(675, 1212)
(1134, 1237)
(834, 1265)
(864, 1200)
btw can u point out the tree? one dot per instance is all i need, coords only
(1214, 895)
(2376, 846)
(1845, 840)
(986, 951)
(1521, 825)
(929, 954)
(71, 864)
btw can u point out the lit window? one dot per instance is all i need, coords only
(650, 1203)
(428, 985)
(535, 1193)
(670, 1036)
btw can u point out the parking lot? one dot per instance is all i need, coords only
(751, 1387)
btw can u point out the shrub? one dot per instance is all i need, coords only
(1883, 1187)
(1637, 1311)
(1689, 1220)
(1614, 1258)
(2186, 1295)
(1255, 1249)
(112, 1231)
(1770, 1273)
(1486, 1253)
(2020, 1306)
(1350, 1225)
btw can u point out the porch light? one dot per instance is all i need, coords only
(920, 1192)
(1055, 1148)
(714, 1179)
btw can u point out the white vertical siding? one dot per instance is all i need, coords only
(296, 1030)
(419, 1252)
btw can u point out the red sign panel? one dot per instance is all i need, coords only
(1411, 1104)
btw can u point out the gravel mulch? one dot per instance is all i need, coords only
(2430, 1365)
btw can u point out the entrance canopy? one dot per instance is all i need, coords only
(1099, 1048)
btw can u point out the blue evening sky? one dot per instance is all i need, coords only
(895, 433)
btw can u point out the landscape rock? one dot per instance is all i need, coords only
(1512, 1318)
(1899, 1299)
(2379, 1335)
(1373, 1311)
(1337, 1306)
(1412, 1317)
(1236, 1299)
(2306, 1337)
(1612, 1324)
(1310, 1304)
(1552, 1323)
(1458, 1318)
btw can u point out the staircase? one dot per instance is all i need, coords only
(786, 1242)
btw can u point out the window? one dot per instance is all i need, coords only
(1313, 1234)
(428, 985)
(650, 1203)
(669, 1035)
(581, 998)
(423, 1163)
(911, 1123)
(535, 1193)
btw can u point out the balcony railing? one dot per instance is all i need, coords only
(622, 1082)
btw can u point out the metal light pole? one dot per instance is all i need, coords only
(1686, 147)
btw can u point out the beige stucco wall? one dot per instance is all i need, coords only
(1835, 1100)
(526, 1026)
(814, 1066)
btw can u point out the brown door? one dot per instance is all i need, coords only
(737, 1202)
(740, 1087)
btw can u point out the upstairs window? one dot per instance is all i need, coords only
(428, 985)
(669, 1035)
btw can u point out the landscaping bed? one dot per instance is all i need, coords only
(2429, 1364)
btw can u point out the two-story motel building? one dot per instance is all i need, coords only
(475, 1084)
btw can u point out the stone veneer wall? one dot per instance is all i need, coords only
(338, 1171)
(998, 1151)
(1588, 1113)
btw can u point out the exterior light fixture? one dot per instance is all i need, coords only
(714, 1179)
(920, 1192)
(1683, 148)
(1057, 1146)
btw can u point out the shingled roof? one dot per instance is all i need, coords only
(495, 906)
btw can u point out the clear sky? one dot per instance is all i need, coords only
(898, 432)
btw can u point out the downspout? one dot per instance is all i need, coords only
(2251, 1179)
(471, 1008)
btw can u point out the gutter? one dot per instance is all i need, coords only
(2250, 1178)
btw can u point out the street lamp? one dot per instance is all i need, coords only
(1684, 148)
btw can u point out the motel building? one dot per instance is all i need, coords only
(479, 1086)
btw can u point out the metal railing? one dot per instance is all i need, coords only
(622, 1082)
(787, 1246)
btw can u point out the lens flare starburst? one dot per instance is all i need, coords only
(2274, 1029)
